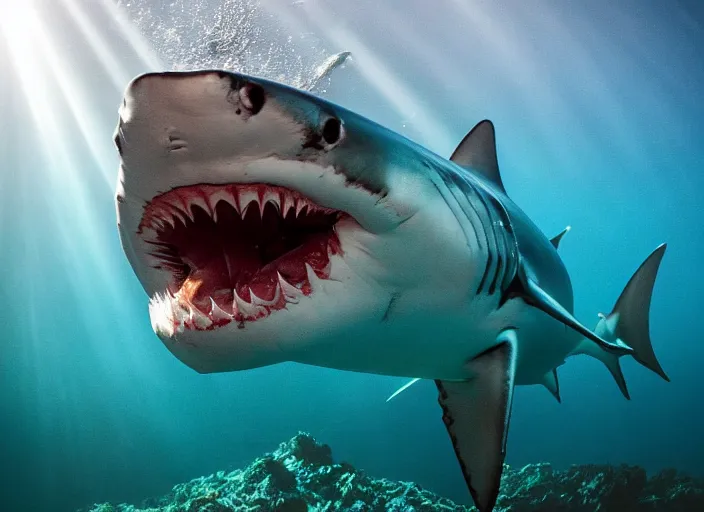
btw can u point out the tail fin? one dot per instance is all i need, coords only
(611, 361)
(630, 319)
(629, 323)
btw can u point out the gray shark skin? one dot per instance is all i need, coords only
(269, 225)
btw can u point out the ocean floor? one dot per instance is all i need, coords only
(301, 476)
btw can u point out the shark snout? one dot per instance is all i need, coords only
(198, 91)
(170, 108)
(201, 125)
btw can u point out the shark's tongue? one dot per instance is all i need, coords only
(232, 254)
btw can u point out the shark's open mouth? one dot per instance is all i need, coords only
(235, 252)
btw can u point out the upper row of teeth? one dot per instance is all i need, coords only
(181, 208)
(180, 313)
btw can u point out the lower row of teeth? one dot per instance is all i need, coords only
(171, 314)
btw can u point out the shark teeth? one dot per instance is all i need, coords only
(181, 313)
(214, 198)
(261, 302)
(314, 282)
(201, 201)
(286, 202)
(182, 205)
(199, 320)
(246, 310)
(174, 314)
(291, 293)
(218, 315)
(246, 197)
(177, 204)
(177, 214)
(299, 206)
(161, 314)
(266, 196)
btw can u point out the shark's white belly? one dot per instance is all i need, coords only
(431, 342)
(425, 333)
(427, 346)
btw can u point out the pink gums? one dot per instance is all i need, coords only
(218, 241)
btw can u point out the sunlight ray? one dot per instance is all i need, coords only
(379, 75)
(426, 51)
(535, 90)
(115, 69)
(598, 90)
(74, 227)
(143, 49)
(72, 210)
(72, 92)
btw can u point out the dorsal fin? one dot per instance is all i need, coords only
(555, 241)
(478, 152)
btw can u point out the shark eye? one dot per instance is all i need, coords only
(332, 132)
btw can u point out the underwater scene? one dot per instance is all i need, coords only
(315, 255)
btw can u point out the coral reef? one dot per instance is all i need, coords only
(300, 476)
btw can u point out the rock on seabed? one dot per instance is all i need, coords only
(300, 476)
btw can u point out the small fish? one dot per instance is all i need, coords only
(325, 68)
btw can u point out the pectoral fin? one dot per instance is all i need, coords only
(477, 413)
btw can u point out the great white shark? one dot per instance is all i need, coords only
(269, 225)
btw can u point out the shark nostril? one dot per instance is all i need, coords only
(332, 131)
(252, 97)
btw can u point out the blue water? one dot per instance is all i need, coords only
(599, 114)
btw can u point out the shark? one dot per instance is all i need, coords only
(269, 225)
